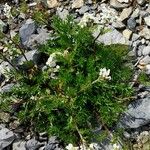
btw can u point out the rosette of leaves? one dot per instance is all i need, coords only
(71, 106)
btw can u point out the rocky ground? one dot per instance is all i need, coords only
(128, 22)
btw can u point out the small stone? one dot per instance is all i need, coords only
(52, 3)
(123, 1)
(147, 69)
(135, 37)
(118, 25)
(20, 145)
(77, 4)
(131, 23)
(146, 50)
(14, 124)
(6, 137)
(127, 33)
(125, 13)
(6, 88)
(147, 20)
(140, 2)
(145, 60)
(126, 135)
(83, 10)
(145, 32)
(3, 27)
(115, 4)
(62, 13)
(135, 13)
(32, 144)
(27, 30)
(4, 117)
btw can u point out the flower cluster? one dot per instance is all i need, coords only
(104, 74)
(7, 11)
(51, 62)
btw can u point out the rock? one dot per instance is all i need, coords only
(62, 13)
(4, 117)
(6, 88)
(147, 69)
(146, 50)
(123, 1)
(118, 25)
(115, 4)
(27, 30)
(140, 2)
(125, 13)
(147, 20)
(131, 23)
(37, 39)
(83, 10)
(77, 4)
(52, 3)
(135, 37)
(6, 137)
(145, 32)
(20, 145)
(32, 144)
(145, 60)
(135, 13)
(3, 27)
(127, 34)
(33, 55)
(137, 114)
(112, 37)
(53, 144)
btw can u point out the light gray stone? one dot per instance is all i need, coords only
(127, 33)
(140, 2)
(52, 3)
(125, 13)
(77, 4)
(135, 37)
(118, 25)
(83, 10)
(135, 13)
(27, 30)
(146, 50)
(145, 32)
(145, 60)
(115, 4)
(19, 145)
(6, 88)
(137, 114)
(112, 37)
(3, 26)
(6, 137)
(62, 13)
(147, 20)
(32, 144)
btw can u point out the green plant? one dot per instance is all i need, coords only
(70, 97)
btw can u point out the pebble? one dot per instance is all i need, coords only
(4, 117)
(115, 4)
(52, 3)
(140, 2)
(125, 13)
(135, 13)
(127, 34)
(147, 20)
(19, 145)
(135, 37)
(146, 50)
(77, 4)
(118, 25)
(145, 32)
(131, 23)
(83, 9)
(6, 137)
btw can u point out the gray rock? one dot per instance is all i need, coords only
(147, 20)
(125, 13)
(112, 37)
(137, 114)
(27, 30)
(83, 9)
(3, 27)
(32, 144)
(4, 117)
(131, 23)
(118, 25)
(135, 37)
(145, 32)
(146, 50)
(62, 13)
(135, 13)
(140, 2)
(115, 4)
(6, 137)
(53, 144)
(37, 39)
(145, 60)
(77, 4)
(6, 88)
(19, 145)
(33, 55)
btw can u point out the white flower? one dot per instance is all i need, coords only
(116, 147)
(71, 147)
(7, 11)
(104, 74)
